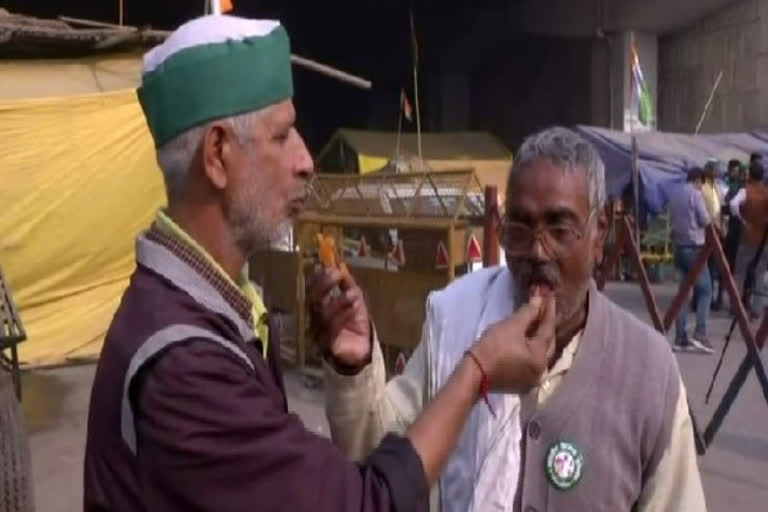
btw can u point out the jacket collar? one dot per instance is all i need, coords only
(189, 272)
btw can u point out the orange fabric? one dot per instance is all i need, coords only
(754, 211)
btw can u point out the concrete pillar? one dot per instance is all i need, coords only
(601, 82)
(761, 75)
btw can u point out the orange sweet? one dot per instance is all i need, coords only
(326, 248)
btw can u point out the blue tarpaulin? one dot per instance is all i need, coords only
(663, 158)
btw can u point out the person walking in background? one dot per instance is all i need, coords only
(735, 182)
(750, 206)
(756, 158)
(688, 217)
(710, 191)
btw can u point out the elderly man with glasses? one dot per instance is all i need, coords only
(608, 426)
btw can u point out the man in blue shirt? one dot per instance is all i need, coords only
(689, 219)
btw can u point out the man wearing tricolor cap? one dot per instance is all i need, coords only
(188, 410)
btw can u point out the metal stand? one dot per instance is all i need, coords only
(754, 342)
(750, 360)
(11, 334)
(747, 289)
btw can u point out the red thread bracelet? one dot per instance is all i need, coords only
(484, 384)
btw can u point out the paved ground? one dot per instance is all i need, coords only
(734, 469)
(56, 407)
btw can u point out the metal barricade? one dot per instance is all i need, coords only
(625, 242)
(11, 334)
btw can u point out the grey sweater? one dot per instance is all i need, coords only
(615, 407)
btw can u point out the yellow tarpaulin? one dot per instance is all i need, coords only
(48, 78)
(78, 181)
(370, 163)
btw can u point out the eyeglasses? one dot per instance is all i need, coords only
(557, 239)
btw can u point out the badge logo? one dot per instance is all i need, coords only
(565, 464)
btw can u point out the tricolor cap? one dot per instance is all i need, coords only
(214, 67)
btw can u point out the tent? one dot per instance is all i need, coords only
(663, 158)
(79, 181)
(361, 151)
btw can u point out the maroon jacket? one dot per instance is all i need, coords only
(186, 414)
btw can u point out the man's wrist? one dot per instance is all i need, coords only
(345, 368)
(478, 378)
(484, 355)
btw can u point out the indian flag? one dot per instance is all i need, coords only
(405, 105)
(642, 101)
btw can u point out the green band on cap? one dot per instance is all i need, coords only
(216, 80)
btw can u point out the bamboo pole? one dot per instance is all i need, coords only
(636, 186)
(709, 102)
(324, 69)
(416, 84)
(399, 127)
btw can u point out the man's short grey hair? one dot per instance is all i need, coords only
(175, 156)
(566, 148)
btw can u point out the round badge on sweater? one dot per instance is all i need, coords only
(565, 464)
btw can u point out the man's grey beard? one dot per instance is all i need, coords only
(254, 226)
(256, 236)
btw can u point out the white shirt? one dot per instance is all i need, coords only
(737, 201)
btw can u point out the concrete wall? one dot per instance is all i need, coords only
(454, 101)
(602, 87)
(585, 17)
(514, 84)
(530, 84)
(734, 41)
(511, 85)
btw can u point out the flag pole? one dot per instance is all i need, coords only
(416, 87)
(635, 149)
(399, 128)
